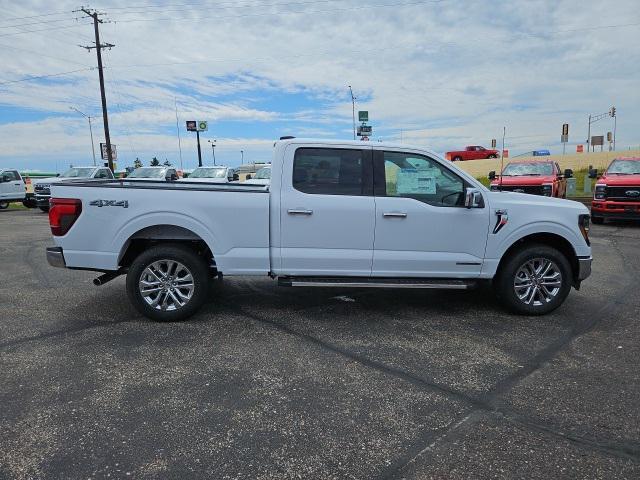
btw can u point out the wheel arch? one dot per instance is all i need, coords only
(152, 235)
(550, 239)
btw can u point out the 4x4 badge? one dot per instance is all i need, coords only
(109, 203)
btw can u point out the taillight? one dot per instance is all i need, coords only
(63, 212)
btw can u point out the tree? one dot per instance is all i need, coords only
(155, 162)
(167, 163)
(137, 163)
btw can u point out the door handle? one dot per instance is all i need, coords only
(299, 211)
(394, 214)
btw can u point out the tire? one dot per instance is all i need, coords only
(29, 203)
(168, 267)
(597, 220)
(44, 209)
(492, 156)
(4, 205)
(518, 270)
(457, 159)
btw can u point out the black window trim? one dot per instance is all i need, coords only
(380, 183)
(367, 189)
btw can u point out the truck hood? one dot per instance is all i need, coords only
(620, 180)
(50, 180)
(525, 180)
(506, 199)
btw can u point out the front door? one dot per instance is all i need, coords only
(327, 211)
(13, 188)
(422, 227)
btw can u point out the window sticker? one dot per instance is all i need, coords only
(412, 181)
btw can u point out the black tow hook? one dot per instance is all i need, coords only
(107, 277)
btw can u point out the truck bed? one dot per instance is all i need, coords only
(232, 219)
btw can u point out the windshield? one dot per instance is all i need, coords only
(263, 173)
(147, 172)
(78, 173)
(624, 167)
(534, 168)
(207, 172)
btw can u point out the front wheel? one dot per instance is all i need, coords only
(4, 205)
(168, 283)
(44, 209)
(534, 281)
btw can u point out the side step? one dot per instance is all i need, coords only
(376, 282)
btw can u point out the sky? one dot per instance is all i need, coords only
(439, 74)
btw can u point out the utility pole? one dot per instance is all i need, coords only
(88, 117)
(353, 111)
(504, 134)
(99, 46)
(241, 157)
(175, 102)
(213, 150)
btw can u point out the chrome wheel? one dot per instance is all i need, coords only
(166, 285)
(537, 282)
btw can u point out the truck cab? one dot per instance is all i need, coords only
(42, 187)
(12, 187)
(535, 177)
(617, 192)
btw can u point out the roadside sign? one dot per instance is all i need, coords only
(365, 130)
(363, 115)
(597, 140)
(103, 151)
(493, 143)
(579, 148)
(202, 126)
(192, 126)
(505, 153)
(564, 138)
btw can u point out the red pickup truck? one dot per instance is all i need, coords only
(617, 192)
(535, 177)
(472, 152)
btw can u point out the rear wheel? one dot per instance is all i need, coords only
(534, 281)
(493, 156)
(4, 205)
(168, 283)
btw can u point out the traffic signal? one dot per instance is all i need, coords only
(612, 112)
(609, 137)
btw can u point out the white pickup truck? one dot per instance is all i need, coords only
(336, 214)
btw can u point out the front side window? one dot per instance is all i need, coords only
(414, 176)
(328, 171)
(11, 176)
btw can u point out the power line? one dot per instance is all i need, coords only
(39, 54)
(40, 22)
(63, 27)
(10, 19)
(36, 77)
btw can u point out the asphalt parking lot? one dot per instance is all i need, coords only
(269, 382)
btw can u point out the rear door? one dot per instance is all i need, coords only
(422, 227)
(327, 211)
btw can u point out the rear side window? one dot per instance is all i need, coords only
(328, 171)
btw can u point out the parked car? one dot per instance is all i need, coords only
(217, 174)
(617, 192)
(42, 186)
(154, 173)
(471, 152)
(12, 187)
(434, 226)
(262, 177)
(534, 177)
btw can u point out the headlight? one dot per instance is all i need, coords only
(584, 223)
(547, 189)
(600, 192)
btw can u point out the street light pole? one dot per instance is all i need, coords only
(241, 157)
(213, 150)
(88, 117)
(353, 111)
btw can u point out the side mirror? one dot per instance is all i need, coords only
(593, 173)
(568, 173)
(57, 174)
(236, 177)
(492, 175)
(473, 198)
(248, 177)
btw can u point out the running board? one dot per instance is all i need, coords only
(366, 282)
